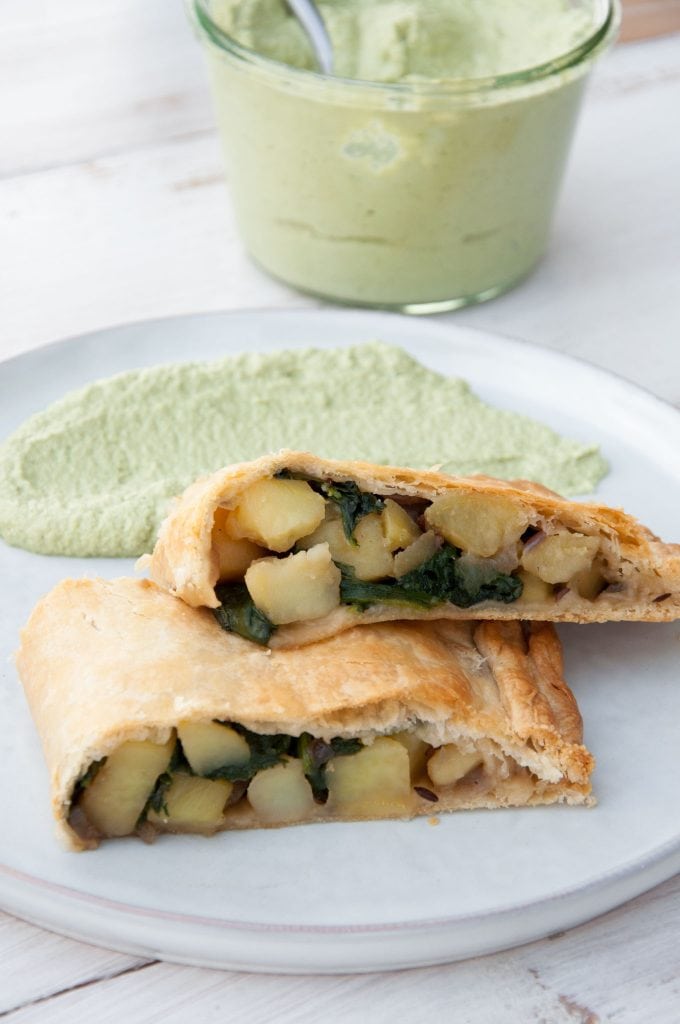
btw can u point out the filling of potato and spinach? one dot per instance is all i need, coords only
(295, 548)
(190, 782)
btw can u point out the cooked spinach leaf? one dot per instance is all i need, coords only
(178, 761)
(437, 576)
(265, 752)
(341, 746)
(446, 576)
(91, 773)
(237, 613)
(362, 593)
(484, 583)
(352, 503)
(316, 753)
(157, 798)
(87, 778)
(440, 578)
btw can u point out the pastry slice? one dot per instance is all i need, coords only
(291, 548)
(153, 721)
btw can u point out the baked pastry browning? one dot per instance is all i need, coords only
(152, 720)
(290, 549)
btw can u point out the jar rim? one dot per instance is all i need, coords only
(586, 50)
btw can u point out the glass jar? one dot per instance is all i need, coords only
(415, 196)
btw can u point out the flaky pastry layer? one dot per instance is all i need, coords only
(184, 562)
(105, 662)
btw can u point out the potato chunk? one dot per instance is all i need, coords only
(590, 582)
(533, 589)
(370, 557)
(417, 751)
(560, 556)
(449, 764)
(192, 804)
(415, 554)
(299, 587)
(210, 745)
(233, 555)
(281, 794)
(275, 513)
(373, 783)
(329, 532)
(116, 796)
(479, 523)
(399, 530)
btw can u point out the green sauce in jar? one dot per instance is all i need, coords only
(425, 173)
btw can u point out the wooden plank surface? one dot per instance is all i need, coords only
(125, 237)
(80, 79)
(35, 964)
(623, 968)
(644, 19)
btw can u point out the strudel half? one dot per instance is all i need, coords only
(291, 548)
(153, 721)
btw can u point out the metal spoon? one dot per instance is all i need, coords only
(308, 15)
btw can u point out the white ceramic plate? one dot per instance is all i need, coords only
(386, 894)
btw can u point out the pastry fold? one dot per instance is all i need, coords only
(399, 720)
(521, 551)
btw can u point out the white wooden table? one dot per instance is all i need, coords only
(112, 208)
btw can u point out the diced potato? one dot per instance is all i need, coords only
(325, 533)
(281, 794)
(275, 513)
(399, 530)
(233, 555)
(415, 554)
(369, 557)
(479, 523)
(116, 796)
(588, 583)
(417, 751)
(372, 560)
(534, 589)
(193, 804)
(449, 764)
(560, 556)
(210, 745)
(299, 587)
(374, 782)
(330, 532)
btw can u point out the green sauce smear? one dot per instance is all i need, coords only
(93, 474)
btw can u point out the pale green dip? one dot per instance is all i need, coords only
(407, 40)
(414, 183)
(94, 472)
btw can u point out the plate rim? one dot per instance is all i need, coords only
(432, 320)
(635, 876)
(662, 854)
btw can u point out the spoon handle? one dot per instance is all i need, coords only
(308, 15)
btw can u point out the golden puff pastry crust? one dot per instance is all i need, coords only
(105, 662)
(647, 570)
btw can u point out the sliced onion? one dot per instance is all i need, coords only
(535, 539)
